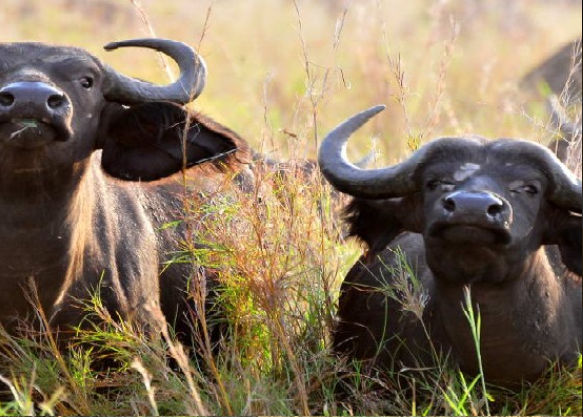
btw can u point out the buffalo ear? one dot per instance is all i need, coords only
(378, 222)
(571, 250)
(571, 247)
(567, 234)
(155, 140)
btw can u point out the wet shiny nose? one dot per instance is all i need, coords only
(30, 99)
(476, 205)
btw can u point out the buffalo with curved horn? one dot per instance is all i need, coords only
(501, 219)
(70, 128)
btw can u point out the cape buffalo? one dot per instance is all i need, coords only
(501, 219)
(561, 72)
(70, 128)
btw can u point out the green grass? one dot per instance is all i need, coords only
(282, 74)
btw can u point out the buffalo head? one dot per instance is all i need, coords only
(59, 104)
(482, 207)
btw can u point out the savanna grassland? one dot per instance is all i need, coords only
(282, 73)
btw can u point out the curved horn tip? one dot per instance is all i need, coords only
(358, 120)
(352, 124)
(373, 111)
(111, 46)
(377, 109)
(364, 116)
(138, 42)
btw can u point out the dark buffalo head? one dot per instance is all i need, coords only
(59, 104)
(483, 207)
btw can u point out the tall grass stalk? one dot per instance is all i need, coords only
(475, 321)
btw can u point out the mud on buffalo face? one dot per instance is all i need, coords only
(482, 207)
(59, 104)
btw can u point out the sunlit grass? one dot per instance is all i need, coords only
(282, 74)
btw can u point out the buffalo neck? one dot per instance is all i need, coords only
(523, 321)
(42, 230)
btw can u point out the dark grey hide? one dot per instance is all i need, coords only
(559, 74)
(500, 218)
(70, 128)
(558, 78)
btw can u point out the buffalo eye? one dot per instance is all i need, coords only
(529, 189)
(87, 82)
(434, 185)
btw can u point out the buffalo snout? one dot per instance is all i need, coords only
(476, 206)
(36, 96)
(464, 216)
(35, 113)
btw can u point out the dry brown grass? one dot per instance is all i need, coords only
(282, 73)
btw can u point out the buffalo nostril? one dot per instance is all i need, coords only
(449, 204)
(6, 99)
(56, 100)
(495, 209)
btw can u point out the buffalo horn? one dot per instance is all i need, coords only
(391, 182)
(189, 85)
(565, 187)
(401, 179)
